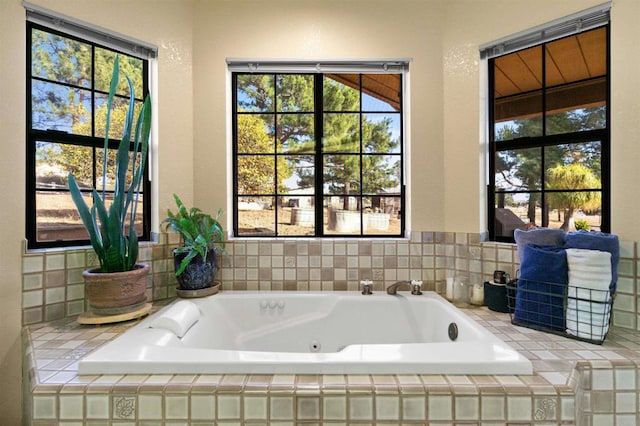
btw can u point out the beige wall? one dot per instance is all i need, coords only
(320, 29)
(165, 23)
(194, 38)
(625, 121)
(12, 155)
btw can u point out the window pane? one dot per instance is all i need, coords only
(129, 66)
(588, 155)
(256, 216)
(381, 133)
(111, 168)
(256, 133)
(295, 133)
(57, 217)
(520, 128)
(516, 211)
(571, 176)
(576, 58)
(381, 92)
(594, 48)
(576, 120)
(60, 59)
(296, 174)
(576, 68)
(341, 92)
(518, 72)
(108, 200)
(54, 161)
(117, 118)
(255, 93)
(517, 94)
(381, 174)
(567, 207)
(341, 174)
(139, 217)
(296, 215)
(382, 215)
(295, 93)
(56, 107)
(343, 215)
(256, 174)
(518, 169)
(341, 133)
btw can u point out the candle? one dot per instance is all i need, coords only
(449, 289)
(477, 294)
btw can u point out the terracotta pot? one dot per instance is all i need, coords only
(116, 292)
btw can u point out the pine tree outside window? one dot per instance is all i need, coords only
(67, 86)
(549, 136)
(318, 154)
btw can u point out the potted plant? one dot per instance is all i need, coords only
(118, 285)
(196, 261)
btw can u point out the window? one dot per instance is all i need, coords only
(67, 86)
(318, 154)
(549, 136)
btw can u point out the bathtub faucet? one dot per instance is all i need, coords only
(367, 286)
(416, 286)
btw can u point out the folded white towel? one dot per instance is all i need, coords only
(589, 268)
(577, 308)
(588, 295)
(179, 318)
(586, 330)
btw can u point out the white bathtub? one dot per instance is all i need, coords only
(309, 333)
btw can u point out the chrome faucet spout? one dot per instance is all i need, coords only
(415, 286)
(393, 288)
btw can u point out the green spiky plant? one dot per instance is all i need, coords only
(200, 232)
(111, 231)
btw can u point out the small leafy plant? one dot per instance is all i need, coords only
(581, 225)
(200, 232)
(111, 231)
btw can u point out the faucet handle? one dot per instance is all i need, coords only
(416, 286)
(367, 286)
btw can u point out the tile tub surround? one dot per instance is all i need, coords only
(574, 383)
(52, 285)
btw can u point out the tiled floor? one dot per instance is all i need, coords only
(573, 383)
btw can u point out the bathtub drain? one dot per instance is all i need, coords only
(453, 331)
(315, 346)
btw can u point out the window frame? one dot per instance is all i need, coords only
(319, 194)
(602, 135)
(34, 136)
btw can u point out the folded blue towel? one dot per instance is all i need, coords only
(542, 286)
(598, 241)
(539, 237)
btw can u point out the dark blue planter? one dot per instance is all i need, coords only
(199, 274)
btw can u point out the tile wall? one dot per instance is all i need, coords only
(52, 283)
(574, 382)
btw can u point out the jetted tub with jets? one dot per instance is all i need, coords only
(247, 332)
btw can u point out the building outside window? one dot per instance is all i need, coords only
(67, 86)
(318, 154)
(549, 136)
